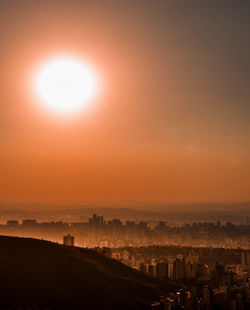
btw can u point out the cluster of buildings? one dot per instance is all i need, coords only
(186, 266)
(211, 278)
(205, 297)
(176, 268)
(169, 267)
(98, 232)
(208, 286)
(205, 286)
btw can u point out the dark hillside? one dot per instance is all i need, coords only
(44, 274)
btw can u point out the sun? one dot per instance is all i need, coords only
(65, 84)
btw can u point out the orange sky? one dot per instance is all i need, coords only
(171, 122)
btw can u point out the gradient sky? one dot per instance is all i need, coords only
(170, 123)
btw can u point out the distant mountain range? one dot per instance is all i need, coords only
(37, 274)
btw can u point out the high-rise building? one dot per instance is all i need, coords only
(189, 272)
(245, 258)
(206, 295)
(96, 220)
(143, 267)
(68, 240)
(171, 270)
(162, 270)
(151, 270)
(178, 269)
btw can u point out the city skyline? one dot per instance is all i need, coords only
(124, 155)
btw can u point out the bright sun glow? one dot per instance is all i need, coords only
(65, 84)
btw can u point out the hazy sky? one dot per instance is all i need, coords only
(171, 121)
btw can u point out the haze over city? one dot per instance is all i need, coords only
(124, 155)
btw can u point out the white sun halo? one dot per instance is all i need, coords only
(65, 84)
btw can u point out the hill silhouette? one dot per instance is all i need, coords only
(37, 274)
